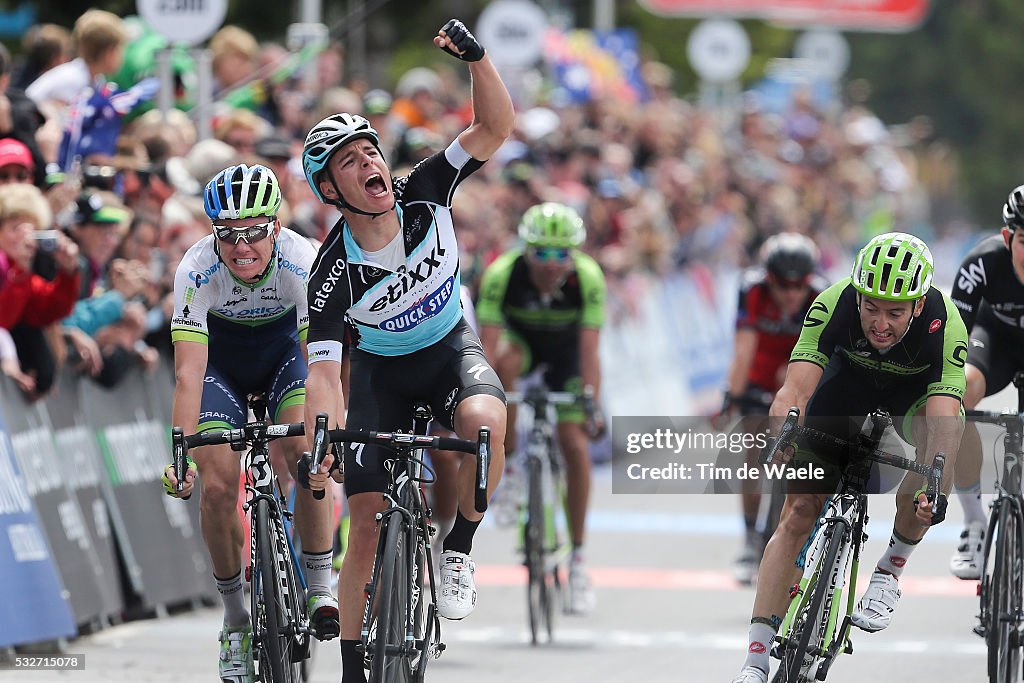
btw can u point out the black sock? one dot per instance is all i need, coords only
(351, 663)
(460, 538)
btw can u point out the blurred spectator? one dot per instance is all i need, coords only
(29, 302)
(234, 52)
(112, 307)
(99, 38)
(377, 110)
(417, 102)
(44, 47)
(16, 164)
(241, 128)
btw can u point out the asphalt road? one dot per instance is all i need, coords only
(668, 611)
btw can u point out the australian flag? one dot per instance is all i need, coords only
(95, 121)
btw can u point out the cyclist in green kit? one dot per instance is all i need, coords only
(542, 306)
(883, 337)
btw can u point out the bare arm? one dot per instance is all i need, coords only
(745, 345)
(590, 359)
(945, 427)
(323, 395)
(490, 335)
(801, 380)
(493, 114)
(189, 370)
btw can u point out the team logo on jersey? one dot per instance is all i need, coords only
(328, 285)
(202, 277)
(425, 308)
(407, 279)
(972, 276)
(934, 327)
(236, 290)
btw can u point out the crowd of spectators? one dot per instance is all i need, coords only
(89, 242)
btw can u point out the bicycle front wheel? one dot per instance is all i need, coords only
(392, 658)
(803, 643)
(1004, 598)
(539, 593)
(274, 602)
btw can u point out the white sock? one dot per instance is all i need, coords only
(760, 644)
(895, 557)
(233, 597)
(970, 499)
(318, 571)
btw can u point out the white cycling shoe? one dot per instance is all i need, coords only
(970, 554)
(457, 596)
(751, 674)
(874, 611)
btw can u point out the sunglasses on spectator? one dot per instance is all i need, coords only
(250, 234)
(550, 254)
(19, 175)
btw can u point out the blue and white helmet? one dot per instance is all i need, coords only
(242, 192)
(326, 137)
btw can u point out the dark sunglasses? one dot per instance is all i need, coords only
(790, 284)
(249, 234)
(550, 254)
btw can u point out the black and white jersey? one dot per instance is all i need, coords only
(987, 290)
(393, 313)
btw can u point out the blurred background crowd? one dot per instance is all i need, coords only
(100, 193)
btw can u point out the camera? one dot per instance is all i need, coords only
(47, 239)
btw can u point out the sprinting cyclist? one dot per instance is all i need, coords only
(774, 297)
(239, 320)
(989, 291)
(883, 337)
(388, 277)
(542, 306)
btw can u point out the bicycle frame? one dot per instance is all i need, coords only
(999, 622)
(264, 494)
(832, 549)
(406, 504)
(543, 549)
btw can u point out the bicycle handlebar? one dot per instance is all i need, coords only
(553, 397)
(1003, 419)
(255, 432)
(480, 448)
(790, 430)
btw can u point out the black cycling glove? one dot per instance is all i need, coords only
(461, 38)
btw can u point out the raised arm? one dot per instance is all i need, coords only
(493, 114)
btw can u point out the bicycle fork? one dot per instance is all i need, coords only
(839, 517)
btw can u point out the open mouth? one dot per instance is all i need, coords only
(881, 337)
(244, 261)
(375, 186)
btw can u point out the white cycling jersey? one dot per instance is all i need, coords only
(207, 295)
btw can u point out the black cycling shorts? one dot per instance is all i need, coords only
(996, 354)
(839, 406)
(383, 390)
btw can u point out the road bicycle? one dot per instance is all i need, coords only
(281, 629)
(814, 631)
(401, 631)
(1000, 616)
(545, 551)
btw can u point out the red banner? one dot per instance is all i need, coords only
(854, 15)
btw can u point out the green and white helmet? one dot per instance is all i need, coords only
(895, 267)
(242, 192)
(552, 225)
